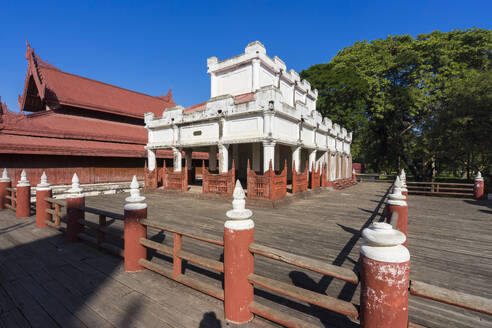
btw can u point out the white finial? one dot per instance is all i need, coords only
(479, 176)
(383, 243)
(398, 183)
(23, 182)
(5, 176)
(75, 185)
(239, 210)
(44, 182)
(353, 171)
(134, 192)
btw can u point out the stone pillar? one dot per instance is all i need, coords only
(384, 277)
(478, 188)
(354, 176)
(256, 157)
(223, 158)
(75, 199)
(189, 164)
(177, 159)
(238, 260)
(43, 190)
(4, 184)
(312, 159)
(296, 157)
(397, 203)
(23, 197)
(268, 154)
(212, 158)
(151, 159)
(135, 209)
(189, 158)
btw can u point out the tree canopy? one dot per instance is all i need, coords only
(424, 102)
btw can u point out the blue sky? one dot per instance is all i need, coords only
(152, 46)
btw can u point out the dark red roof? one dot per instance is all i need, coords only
(46, 83)
(56, 125)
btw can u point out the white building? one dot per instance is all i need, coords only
(258, 110)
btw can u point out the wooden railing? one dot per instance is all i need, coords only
(324, 176)
(151, 179)
(443, 295)
(101, 229)
(299, 180)
(269, 185)
(441, 188)
(301, 294)
(54, 211)
(175, 180)
(314, 178)
(178, 254)
(220, 183)
(13, 200)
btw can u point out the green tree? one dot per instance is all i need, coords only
(395, 93)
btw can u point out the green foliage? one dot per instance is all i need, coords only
(425, 101)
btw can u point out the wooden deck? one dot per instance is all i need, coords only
(46, 282)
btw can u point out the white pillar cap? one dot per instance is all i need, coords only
(43, 185)
(135, 200)
(479, 176)
(75, 191)
(239, 215)
(383, 243)
(23, 182)
(5, 176)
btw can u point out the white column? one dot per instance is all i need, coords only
(213, 85)
(151, 159)
(212, 158)
(223, 158)
(268, 154)
(339, 161)
(256, 74)
(256, 156)
(312, 159)
(177, 159)
(296, 157)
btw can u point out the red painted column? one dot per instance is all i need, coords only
(43, 190)
(238, 260)
(479, 187)
(135, 210)
(384, 277)
(354, 176)
(23, 197)
(74, 200)
(4, 184)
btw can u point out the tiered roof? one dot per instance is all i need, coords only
(46, 84)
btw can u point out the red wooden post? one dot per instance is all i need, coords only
(385, 277)
(75, 199)
(397, 203)
(238, 260)
(354, 176)
(23, 197)
(100, 233)
(177, 245)
(4, 184)
(135, 210)
(43, 190)
(478, 188)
